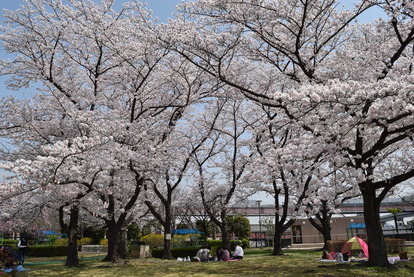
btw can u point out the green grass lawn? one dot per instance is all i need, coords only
(256, 263)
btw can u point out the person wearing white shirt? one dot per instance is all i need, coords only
(238, 252)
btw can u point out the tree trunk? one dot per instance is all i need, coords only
(277, 243)
(326, 233)
(324, 226)
(376, 244)
(123, 243)
(167, 238)
(113, 232)
(72, 258)
(225, 235)
(396, 225)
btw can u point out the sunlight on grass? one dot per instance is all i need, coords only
(259, 263)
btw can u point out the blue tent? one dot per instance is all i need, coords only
(356, 226)
(185, 231)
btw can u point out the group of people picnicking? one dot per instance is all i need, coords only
(222, 254)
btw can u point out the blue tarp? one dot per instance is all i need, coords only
(49, 233)
(356, 226)
(186, 231)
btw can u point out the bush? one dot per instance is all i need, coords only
(153, 240)
(176, 252)
(394, 245)
(103, 242)
(11, 242)
(214, 243)
(85, 241)
(336, 245)
(47, 251)
(244, 243)
(61, 242)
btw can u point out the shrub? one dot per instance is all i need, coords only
(244, 243)
(153, 240)
(336, 245)
(103, 242)
(394, 245)
(214, 243)
(47, 251)
(85, 241)
(61, 242)
(176, 252)
(11, 242)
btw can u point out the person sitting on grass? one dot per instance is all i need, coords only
(225, 254)
(202, 254)
(238, 252)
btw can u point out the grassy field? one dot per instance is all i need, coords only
(256, 263)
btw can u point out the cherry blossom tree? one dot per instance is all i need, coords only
(189, 136)
(221, 163)
(105, 102)
(326, 74)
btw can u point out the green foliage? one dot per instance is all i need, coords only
(153, 240)
(52, 239)
(134, 232)
(214, 243)
(11, 242)
(176, 252)
(85, 241)
(47, 251)
(394, 211)
(95, 233)
(206, 226)
(244, 243)
(239, 226)
(61, 242)
(103, 242)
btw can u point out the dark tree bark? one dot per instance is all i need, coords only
(123, 243)
(376, 244)
(114, 225)
(322, 223)
(72, 258)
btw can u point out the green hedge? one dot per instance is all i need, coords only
(244, 243)
(395, 245)
(11, 242)
(47, 251)
(176, 252)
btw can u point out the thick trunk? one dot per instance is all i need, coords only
(277, 243)
(72, 258)
(225, 236)
(376, 244)
(123, 243)
(326, 233)
(113, 232)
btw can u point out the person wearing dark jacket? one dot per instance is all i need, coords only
(22, 245)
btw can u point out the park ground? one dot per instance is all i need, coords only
(257, 263)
